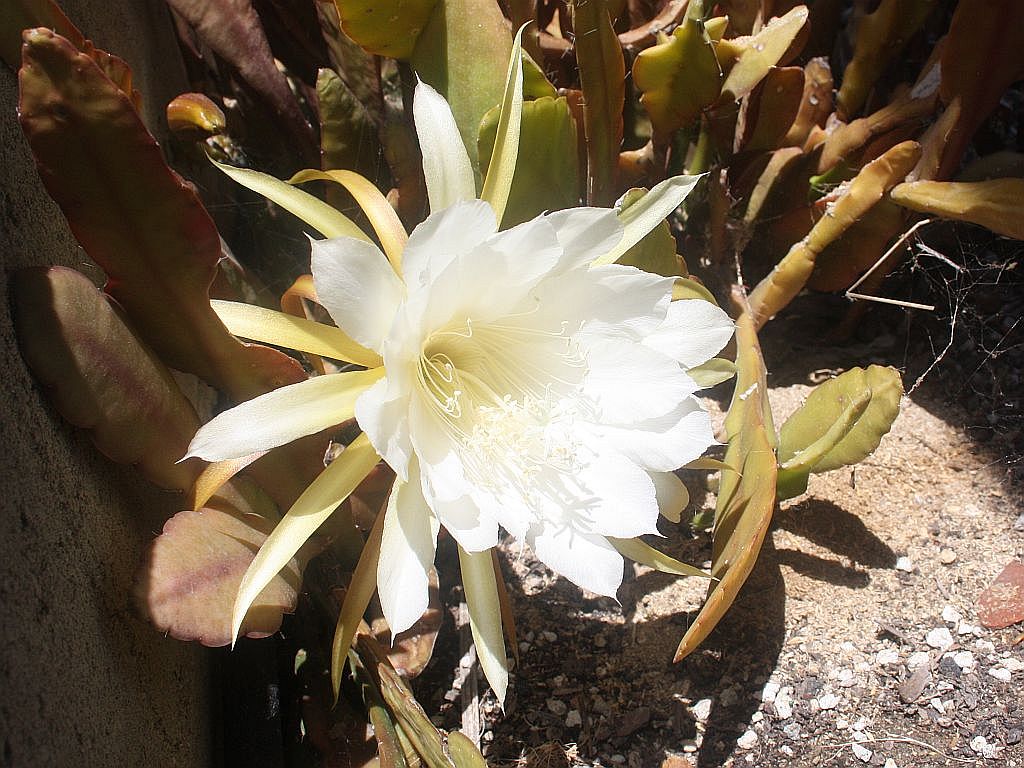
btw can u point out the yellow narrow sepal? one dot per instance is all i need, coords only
(498, 184)
(647, 212)
(378, 210)
(709, 464)
(315, 212)
(357, 598)
(485, 618)
(302, 288)
(508, 615)
(283, 330)
(215, 475)
(647, 555)
(313, 507)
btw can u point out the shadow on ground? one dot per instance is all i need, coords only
(611, 664)
(841, 533)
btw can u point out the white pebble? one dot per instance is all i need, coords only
(887, 656)
(787, 750)
(918, 659)
(940, 638)
(573, 719)
(1000, 673)
(964, 660)
(904, 564)
(828, 701)
(863, 753)
(701, 710)
(769, 692)
(950, 615)
(747, 740)
(985, 646)
(784, 703)
(980, 745)
(549, 636)
(966, 628)
(1012, 664)
(938, 706)
(890, 763)
(842, 723)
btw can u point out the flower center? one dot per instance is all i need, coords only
(506, 395)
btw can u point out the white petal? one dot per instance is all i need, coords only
(446, 166)
(358, 287)
(444, 235)
(526, 252)
(506, 505)
(493, 280)
(406, 554)
(585, 234)
(611, 300)
(385, 420)
(629, 382)
(694, 331)
(463, 519)
(281, 416)
(633, 303)
(439, 461)
(617, 497)
(586, 559)
(672, 495)
(664, 443)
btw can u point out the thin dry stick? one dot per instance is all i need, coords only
(901, 740)
(942, 354)
(898, 244)
(929, 251)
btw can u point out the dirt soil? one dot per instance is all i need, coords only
(856, 640)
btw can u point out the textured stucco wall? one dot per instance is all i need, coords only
(83, 681)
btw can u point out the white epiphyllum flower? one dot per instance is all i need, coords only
(523, 388)
(528, 382)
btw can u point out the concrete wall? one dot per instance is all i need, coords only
(83, 681)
